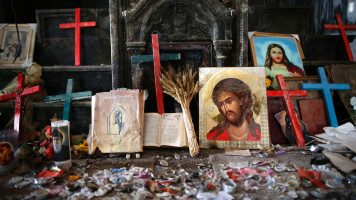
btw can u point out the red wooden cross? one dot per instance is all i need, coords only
(286, 94)
(19, 94)
(341, 27)
(77, 25)
(157, 71)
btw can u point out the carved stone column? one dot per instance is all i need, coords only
(223, 52)
(136, 49)
(114, 38)
(240, 37)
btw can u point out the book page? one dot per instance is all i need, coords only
(172, 129)
(116, 126)
(151, 129)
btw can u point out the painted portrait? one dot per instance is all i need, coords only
(18, 45)
(11, 41)
(232, 108)
(6, 153)
(233, 99)
(279, 54)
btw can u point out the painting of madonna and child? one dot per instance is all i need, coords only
(278, 53)
(233, 108)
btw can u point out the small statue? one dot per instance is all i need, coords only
(32, 77)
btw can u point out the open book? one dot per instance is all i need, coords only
(164, 130)
(117, 121)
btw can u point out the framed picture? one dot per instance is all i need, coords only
(295, 83)
(343, 73)
(312, 114)
(11, 40)
(233, 108)
(286, 127)
(311, 108)
(278, 53)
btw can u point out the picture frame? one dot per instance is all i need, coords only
(9, 42)
(286, 126)
(344, 73)
(295, 83)
(253, 112)
(278, 53)
(311, 113)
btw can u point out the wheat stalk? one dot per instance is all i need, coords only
(182, 86)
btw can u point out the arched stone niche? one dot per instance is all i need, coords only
(184, 21)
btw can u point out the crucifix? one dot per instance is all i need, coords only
(341, 27)
(19, 94)
(67, 98)
(77, 25)
(286, 95)
(156, 57)
(326, 87)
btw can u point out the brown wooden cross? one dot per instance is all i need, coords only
(341, 27)
(286, 95)
(19, 94)
(77, 25)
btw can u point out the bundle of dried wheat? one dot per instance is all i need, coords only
(182, 86)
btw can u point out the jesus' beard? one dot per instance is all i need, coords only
(235, 122)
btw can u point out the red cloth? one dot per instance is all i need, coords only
(225, 136)
(313, 177)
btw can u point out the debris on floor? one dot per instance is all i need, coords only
(296, 173)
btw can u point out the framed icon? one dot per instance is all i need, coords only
(233, 108)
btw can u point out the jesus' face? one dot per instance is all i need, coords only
(230, 108)
(276, 55)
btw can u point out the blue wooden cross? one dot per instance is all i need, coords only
(67, 98)
(326, 87)
(149, 58)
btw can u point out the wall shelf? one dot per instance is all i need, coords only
(86, 103)
(107, 68)
(86, 68)
(326, 63)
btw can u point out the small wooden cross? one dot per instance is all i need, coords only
(157, 68)
(286, 95)
(326, 87)
(341, 27)
(67, 98)
(77, 25)
(19, 94)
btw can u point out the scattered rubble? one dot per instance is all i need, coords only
(277, 177)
